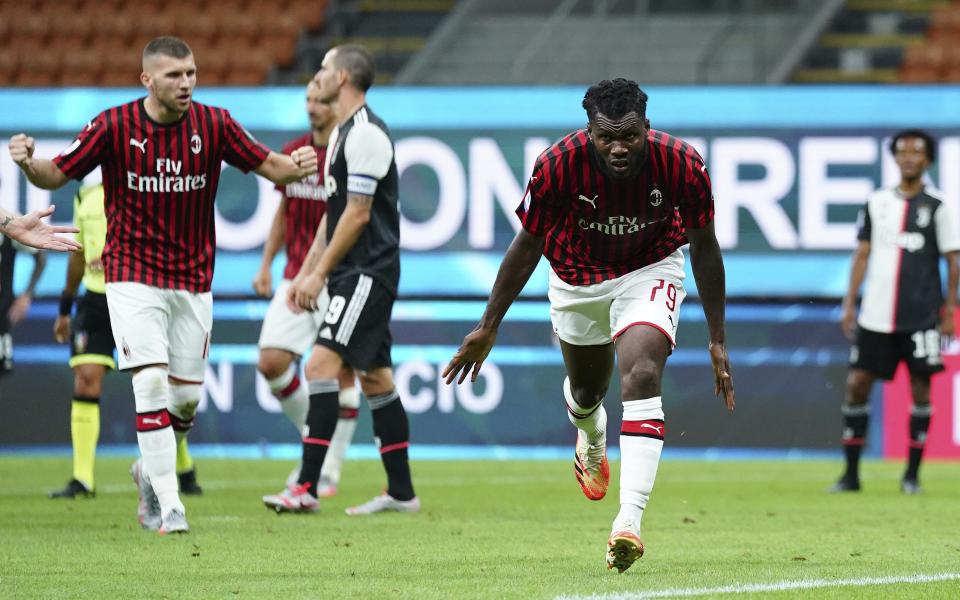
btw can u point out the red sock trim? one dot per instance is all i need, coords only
(291, 387)
(652, 428)
(349, 413)
(393, 447)
(316, 441)
(154, 420)
(853, 442)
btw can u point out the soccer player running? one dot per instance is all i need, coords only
(903, 316)
(91, 348)
(160, 157)
(285, 334)
(14, 307)
(360, 271)
(610, 206)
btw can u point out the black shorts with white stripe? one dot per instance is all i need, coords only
(357, 322)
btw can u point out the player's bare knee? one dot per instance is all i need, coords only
(88, 382)
(377, 381)
(858, 387)
(641, 379)
(273, 363)
(586, 396)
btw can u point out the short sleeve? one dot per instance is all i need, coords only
(696, 201)
(947, 240)
(87, 151)
(539, 210)
(242, 150)
(369, 154)
(864, 225)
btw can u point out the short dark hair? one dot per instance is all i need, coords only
(167, 46)
(615, 98)
(358, 63)
(929, 144)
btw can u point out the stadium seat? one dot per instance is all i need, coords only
(919, 74)
(281, 48)
(9, 62)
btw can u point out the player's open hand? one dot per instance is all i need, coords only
(263, 283)
(304, 292)
(61, 329)
(31, 231)
(723, 381)
(305, 157)
(21, 148)
(473, 351)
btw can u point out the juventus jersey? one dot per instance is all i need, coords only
(907, 236)
(360, 160)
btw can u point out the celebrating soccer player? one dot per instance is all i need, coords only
(904, 231)
(610, 206)
(360, 269)
(160, 156)
(285, 334)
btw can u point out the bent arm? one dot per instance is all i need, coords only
(317, 247)
(43, 173)
(76, 265)
(348, 230)
(286, 168)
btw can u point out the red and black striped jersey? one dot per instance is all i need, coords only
(600, 228)
(306, 204)
(160, 182)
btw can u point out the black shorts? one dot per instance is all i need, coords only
(357, 322)
(91, 339)
(880, 353)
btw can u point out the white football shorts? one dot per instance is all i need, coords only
(286, 330)
(593, 315)
(154, 325)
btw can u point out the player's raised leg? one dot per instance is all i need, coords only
(588, 376)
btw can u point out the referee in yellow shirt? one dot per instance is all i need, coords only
(92, 347)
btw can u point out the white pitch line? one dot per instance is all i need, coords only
(779, 586)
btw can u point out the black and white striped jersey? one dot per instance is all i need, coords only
(903, 290)
(360, 160)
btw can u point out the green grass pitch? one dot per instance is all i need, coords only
(487, 530)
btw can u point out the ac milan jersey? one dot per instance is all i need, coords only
(306, 203)
(598, 227)
(160, 182)
(907, 236)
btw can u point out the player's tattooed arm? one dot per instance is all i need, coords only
(707, 265)
(307, 287)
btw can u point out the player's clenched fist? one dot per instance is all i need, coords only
(305, 157)
(22, 147)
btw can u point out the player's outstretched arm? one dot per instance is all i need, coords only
(41, 172)
(287, 168)
(31, 231)
(707, 263)
(515, 270)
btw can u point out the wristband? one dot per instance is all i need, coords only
(66, 304)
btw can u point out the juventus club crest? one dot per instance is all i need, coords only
(923, 216)
(656, 196)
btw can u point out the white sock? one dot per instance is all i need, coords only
(593, 422)
(342, 435)
(183, 401)
(294, 399)
(158, 445)
(641, 442)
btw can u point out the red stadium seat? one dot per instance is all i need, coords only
(281, 48)
(919, 74)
